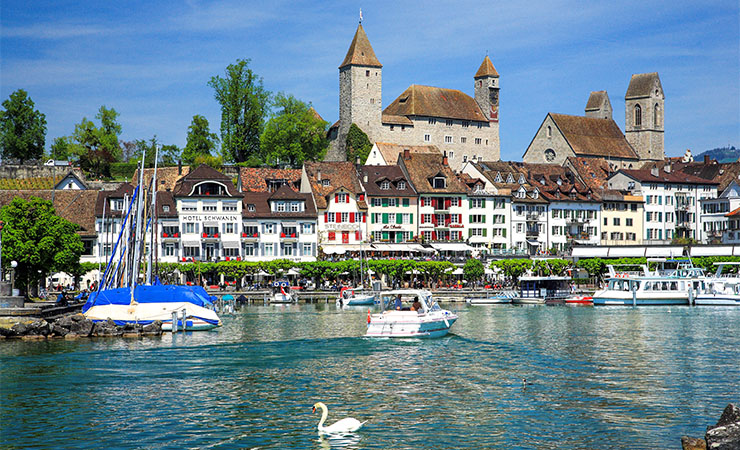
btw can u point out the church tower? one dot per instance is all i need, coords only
(599, 106)
(644, 114)
(360, 86)
(486, 95)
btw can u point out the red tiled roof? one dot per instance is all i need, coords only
(255, 179)
(430, 101)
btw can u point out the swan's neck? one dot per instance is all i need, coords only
(324, 415)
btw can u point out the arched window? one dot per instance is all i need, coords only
(655, 114)
(638, 116)
(549, 131)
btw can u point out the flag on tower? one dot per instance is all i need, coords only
(360, 15)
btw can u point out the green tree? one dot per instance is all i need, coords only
(244, 106)
(60, 148)
(109, 131)
(39, 240)
(22, 128)
(357, 144)
(212, 161)
(170, 155)
(473, 269)
(200, 140)
(148, 146)
(97, 147)
(294, 134)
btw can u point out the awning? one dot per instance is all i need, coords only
(452, 247)
(533, 242)
(334, 250)
(488, 271)
(186, 243)
(589, 252)
(170, 222)
(457, 271)
(663, 252)
(626, 252)
(396, 247)
(723, 250)
(210, 224)
(230, 244)
(421, 248)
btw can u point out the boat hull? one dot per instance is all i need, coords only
(361, 300)
(610, 299)
(585, 300)
(528, 301)
(409, 324)
(488, 301)
(717, 300)
(197, 318)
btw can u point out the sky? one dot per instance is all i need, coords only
(151, 60)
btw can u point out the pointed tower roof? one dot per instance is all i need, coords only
(642, 84)
(360, 51)
(596, 100)
(486, 69)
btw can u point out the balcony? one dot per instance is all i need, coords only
(250, 236)
(210, 237)
(170, 236)
(577, 221)
(683, 224)
(533, 217)
(577, 236)
(289, 237)
(532, 234)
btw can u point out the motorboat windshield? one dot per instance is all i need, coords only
(407, 297)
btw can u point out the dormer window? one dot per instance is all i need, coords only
(498, 178)
(385, 185)
(535, 194)
(401, 185)
(280, 206)
(325, 182)
(251, 208)
(560, 182)
(521, 179)
(509, 179)
(439, 183)
(296, 206)
(166, 208)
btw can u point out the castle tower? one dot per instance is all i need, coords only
(644, 114)
(360, 86)
(598, 105)
(487, 96)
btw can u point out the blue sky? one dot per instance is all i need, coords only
(151, 60)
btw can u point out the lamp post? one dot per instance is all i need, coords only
(13, 265)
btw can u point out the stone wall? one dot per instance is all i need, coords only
(544, 140)
(37, 171)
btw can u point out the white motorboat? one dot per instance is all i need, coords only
(675, 286)
(430, 320)
(721, 289)
(538, 290)
(350, 297)
(281, 293)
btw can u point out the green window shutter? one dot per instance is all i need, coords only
(485, 232)
(372, 218)
(483, 202)
(411, 218)
(385, 217)
(503, 232)
(470, 218)
(470, 232)
(385, 235)
(385, 202)
(405, 202)
(399, 218)
(470, 203)
(484, 219)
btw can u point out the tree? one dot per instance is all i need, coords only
(294, 134)
(97, 147)
(473, 270)
(244, 105)
(38, 239)
(60, 148)
(200, 140)
(357, 144)
(148, 146)
(170, 155)
(22, 128)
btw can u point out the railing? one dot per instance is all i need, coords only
(533, 216)
(210, 236)
(171, 235)
(532, 233)
(250, 235)
(289, 235)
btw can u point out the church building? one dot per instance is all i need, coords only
(464, 127)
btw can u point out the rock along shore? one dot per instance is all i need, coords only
(723, 436)
(77, 326)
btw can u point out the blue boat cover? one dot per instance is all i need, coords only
(161, 293)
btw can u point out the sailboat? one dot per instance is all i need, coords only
(121, 298)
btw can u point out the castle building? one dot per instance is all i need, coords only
(643, 122)
(463, 126)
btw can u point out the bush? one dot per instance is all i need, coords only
(123, 170)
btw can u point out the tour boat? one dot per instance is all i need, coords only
(429, 321)
(348, 297)
(721, 289)
(653, 288)
(538, 290)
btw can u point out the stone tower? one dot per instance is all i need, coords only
(486, 95)
(360, 86)
(644, 114)
(599, 106)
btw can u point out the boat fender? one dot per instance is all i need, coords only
(368, 316)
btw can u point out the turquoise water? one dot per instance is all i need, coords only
(601, 378)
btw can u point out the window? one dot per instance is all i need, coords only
(191, 252)
(452, 155)
(426, 201)
(367, 73)
(465, 123)
(439, 183)
(269, 250)
(295, 206)
(477, 141)
(166, 208)
(392, 127)
(307, 249)
(401, 185)
(448, 122)
(427, 138)
(248, 250)
(465, 158)
(280, 206)
(432, 121)
(307, 228)
(190, 227)
(426, 218)
(187, 205)
(638, 115)
(463, 140)
(325, 182)
(229, 228)
(229, 206)
(231, 252)
(549, 131)
(210, 206)
(477, 203)
(269, 228)
(392, 202)
(448, 139)
(616, 221)
(117, 205)
(341, 197)
(169, 249)
(251, 208)
(385, 185)
(628, 222)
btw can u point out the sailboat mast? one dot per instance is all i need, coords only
(137, 248)
(152, 214)
(100, 245)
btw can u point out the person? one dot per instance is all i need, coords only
(416, 306)
(398, 303)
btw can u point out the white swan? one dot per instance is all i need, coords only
(343, 426)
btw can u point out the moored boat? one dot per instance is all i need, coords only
(350, 297)
(538, 290)
(721, 289)
(497, 298)
(281, 293)
(429, 321)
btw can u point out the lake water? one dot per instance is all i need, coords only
(601, 378)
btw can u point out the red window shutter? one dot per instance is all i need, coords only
(326, 217)
(434, 235)
(351, 217)
(434, 219)
(336, 198)
(332, 236)
(459, 201)
(364, 217)
(459, 219)
(362, 197)
(358, 236)
(422, 218)
(448, 203)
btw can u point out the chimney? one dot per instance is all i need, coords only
(179, 167)
(654, 171)
(445, 162)
(357, 161)
(706, 160)
(318, 174)
(406, 154)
